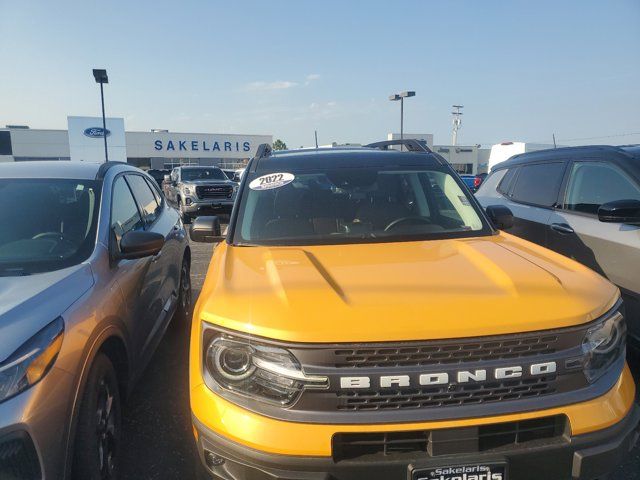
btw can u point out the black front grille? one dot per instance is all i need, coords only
(214, 191)
(446, 352)
(18, 458)
(451, 441)
(431, 397)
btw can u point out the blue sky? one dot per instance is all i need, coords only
(523, 69)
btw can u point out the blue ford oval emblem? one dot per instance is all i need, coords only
(96, 132)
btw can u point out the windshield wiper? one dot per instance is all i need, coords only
(13, 272)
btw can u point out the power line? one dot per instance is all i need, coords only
(629, 134)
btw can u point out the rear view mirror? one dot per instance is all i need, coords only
(500, 216)
(620, 211)
(139, 245)
(206, 230)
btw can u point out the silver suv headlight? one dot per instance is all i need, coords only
(603, 344)
(31, 362)
(189, 190)
(236, 367)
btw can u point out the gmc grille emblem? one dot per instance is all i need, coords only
(444, 378)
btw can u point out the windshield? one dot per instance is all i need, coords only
(355, 205)
(191, 174)
(53, 224)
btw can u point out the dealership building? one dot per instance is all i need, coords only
(156, 149)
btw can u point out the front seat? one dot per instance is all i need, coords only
(291, 209)
(385, 205)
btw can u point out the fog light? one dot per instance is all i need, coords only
(213, 460)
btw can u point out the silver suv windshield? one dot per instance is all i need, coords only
(50, 224)
(345, 205)
(211, 173)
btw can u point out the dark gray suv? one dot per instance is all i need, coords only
(583, 202)
(93, 265)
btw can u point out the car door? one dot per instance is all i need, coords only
(611, 249)
(138, 279)
(157, 304)
(532, 195)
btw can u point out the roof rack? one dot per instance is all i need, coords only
(411, 144)
(264, 150)
(104, 168)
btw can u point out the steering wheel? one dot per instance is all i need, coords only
(401, 220)
(52, 235)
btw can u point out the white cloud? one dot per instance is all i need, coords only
(311, 77)
(278, 85)
(332, 104)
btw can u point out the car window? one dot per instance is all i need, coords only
(47, 224)
(124, 212)
(357, 205)
(143, 194)
(505, 185)
(493, 181)
(155, 191)
(538, 184)
(594, 183)
(205, 173)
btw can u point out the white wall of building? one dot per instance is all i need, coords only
(31, 143)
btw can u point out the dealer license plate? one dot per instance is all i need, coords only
(480, 471)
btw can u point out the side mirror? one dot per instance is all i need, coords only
(139, 245)
(620, 211)
(206, 230)
(500, 216)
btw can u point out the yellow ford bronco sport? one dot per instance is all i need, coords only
(366, 319)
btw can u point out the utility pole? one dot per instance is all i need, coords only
(457, 123)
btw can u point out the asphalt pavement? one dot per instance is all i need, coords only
(158, 438)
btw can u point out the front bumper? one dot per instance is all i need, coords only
(201, 207)
(600, 432)
(33, 429)
(588, 456)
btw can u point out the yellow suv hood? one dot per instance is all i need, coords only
(399, 291)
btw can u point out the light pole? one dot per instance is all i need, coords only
(401, 96)
(101, 77)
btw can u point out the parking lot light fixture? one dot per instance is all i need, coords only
(100, 75)
(401, 96)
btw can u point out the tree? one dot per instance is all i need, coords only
(279, 145)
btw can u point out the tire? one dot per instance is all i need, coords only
(183, 310)
(97, 442)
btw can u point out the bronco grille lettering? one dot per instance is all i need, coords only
(443, 378)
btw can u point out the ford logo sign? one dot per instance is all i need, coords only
(96, 132)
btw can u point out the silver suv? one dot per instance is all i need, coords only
(583, 202)
(93, 265)
(200, 191)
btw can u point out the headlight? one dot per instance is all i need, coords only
(603, 344)
(32, 361)
(188, 190)
(261, 372)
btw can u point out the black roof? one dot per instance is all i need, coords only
(323, 158)
(632, 151)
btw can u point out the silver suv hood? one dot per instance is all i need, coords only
(29, 303)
